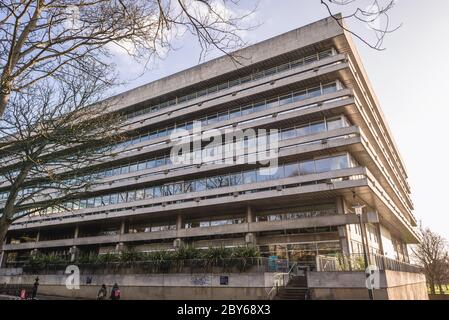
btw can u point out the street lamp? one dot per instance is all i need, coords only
(359, 211)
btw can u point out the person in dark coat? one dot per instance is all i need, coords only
(35, 286)
(115, 292)
(103, 293)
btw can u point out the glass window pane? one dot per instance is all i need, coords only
(329, 88)
(263, 175)
(125, 169)
(131, 196)
(105, 200)
(236, 179)
(288, 133)
(212, 119)
(303, 131)
(307, 167)
(298, 96)
(314, 92)
(334, 124)
(133, 167)
(234, 113)
(259, 106)
(223, 116)
(149, 193)
(90, 202)
(246, 110)
(317, 127)
(291, 170)
(249, 176)
(272, 103)
(323, 165)
(114, 199)
(141, 166)
(200, 185)
(157, 192)
(177, 188)
(310, 59)
(151, 164)
(333, 163)
(140, 194)
(189, 186)
(285, 99)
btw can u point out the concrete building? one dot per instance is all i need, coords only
(335, 151)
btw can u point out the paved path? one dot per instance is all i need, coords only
(39, 297)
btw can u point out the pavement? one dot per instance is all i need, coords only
(39, 297)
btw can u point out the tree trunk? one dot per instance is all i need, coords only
(4, 97)
(4, 225)
(432, 287)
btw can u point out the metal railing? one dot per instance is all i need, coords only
(355, 262)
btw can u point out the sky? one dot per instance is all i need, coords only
(410, 78)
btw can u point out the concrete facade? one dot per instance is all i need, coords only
(309, 84)
(393, 285)
(252, 286)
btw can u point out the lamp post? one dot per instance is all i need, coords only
(359, 211)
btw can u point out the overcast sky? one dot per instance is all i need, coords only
(410, 78)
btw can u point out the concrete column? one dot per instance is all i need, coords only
(2, 258)
(379, 237)
(38, 236)
(123, 227)
(365, 235)
(179, 222)
(76, 233)
(177, 243)
(250, 238)
(74, 253)
(250, 215)
(119, 247)
(179, 225)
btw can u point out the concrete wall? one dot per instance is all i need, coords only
(253, 286)
(393, 285)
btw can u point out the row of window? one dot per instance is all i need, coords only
(235, 82)
(311, 213)
(213, 222)
(203, 184)
(217, 117)
(236, 112)
(293, 132)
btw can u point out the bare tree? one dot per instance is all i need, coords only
(432, 256)
(374, 14)
(39, 37)
(49, 133)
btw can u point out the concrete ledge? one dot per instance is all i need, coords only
(393, 285)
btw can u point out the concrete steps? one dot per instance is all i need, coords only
(296, 289)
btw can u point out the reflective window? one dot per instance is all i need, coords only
(249, 177)
(306, 167)
(329, 164)
(314, 92)
(334, 124)
(317, 127)
(287, 134)
(291, 170)
(303, 131)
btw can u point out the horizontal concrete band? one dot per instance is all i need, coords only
(207, 198)
(324, 68)
(334, 220)
(351, 279)
(235, 280)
